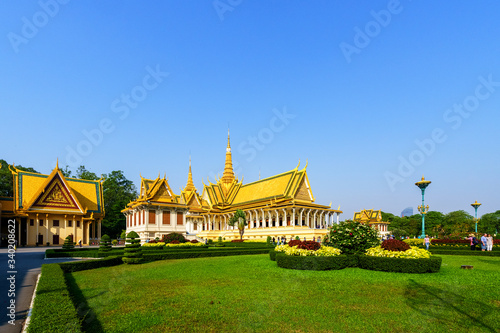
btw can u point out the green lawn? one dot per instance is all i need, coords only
(251, 294)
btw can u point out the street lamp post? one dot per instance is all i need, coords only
(476, 206)
(423, 209)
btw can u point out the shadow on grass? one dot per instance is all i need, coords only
(491, 261)
(87, 316)
(445, 305)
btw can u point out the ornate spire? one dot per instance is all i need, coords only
(190, 185)
(228, 175)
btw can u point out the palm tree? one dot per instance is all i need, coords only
(239, 218)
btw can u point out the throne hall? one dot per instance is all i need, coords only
(279, 206)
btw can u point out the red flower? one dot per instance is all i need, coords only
(350, 234)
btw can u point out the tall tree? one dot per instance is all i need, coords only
(458, 223)
(82, 173)
(118, 192)
(490, 223)
(6, 179)
(240, 220)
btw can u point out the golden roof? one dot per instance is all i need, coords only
(56, 193)
(368, 216)
(228, 175)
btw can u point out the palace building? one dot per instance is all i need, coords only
(48, 208)
(374, 219)
(278, 206)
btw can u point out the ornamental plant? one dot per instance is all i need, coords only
(153, 244)
(133, 253)
(323, 251)
(105, 244)
(173, 236)
(352, 237)
(68, 243)
(394, 245)
(413, 253)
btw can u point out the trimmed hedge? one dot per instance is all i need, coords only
(76, 266)
(400, 265)
(467, 252)
(82, 253)
(53, 310)
(316, 263)
(201, 254)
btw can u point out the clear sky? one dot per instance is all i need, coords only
(372, 94)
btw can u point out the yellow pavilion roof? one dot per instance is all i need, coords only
(34, 192)
(368, 216)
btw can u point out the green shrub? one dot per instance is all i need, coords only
(68, 243)
(173, 236)
(114, 242)
(352, 237)
(467, 252)
(105, 245)
(400, 265)
(314, 263)
(133, 253)
(394, 245)
(272, 255)
(77, 266)
(53, 310)
(201, 254)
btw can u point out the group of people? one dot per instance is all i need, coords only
(486, 242)
(282, 240)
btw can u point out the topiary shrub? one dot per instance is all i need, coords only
(114, 242)
(173, 236)
(268, 240)
(310, 245)
(194, 241)
(305, 245)
(352, 237)
(133, 253)
(394, 245)
(294, 242)
(105, 244)
(68, 243)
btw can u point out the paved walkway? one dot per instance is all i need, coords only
(28, 263)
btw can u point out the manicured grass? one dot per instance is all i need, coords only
(251, 294)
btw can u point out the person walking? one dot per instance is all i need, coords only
(427, 242)
(483, 242)
(489, 243)
(473, 242)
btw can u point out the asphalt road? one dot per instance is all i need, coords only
(27, 266)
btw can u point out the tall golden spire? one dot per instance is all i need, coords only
(190, 185)
(228, 175)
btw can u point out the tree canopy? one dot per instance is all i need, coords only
(239, 219)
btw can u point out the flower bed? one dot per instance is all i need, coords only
(413, 253)
(323, 251)
(391, 256)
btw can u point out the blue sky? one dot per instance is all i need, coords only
(372, 94)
